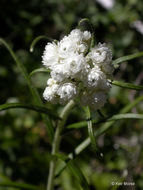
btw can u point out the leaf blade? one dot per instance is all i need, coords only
(37, 39)
(127, 58)
(40, 70)
(36, 108)
(108, 119)
(127, 85)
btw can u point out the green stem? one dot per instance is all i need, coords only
(90, 127)
(56, 142)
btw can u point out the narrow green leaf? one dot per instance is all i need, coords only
(38, 71)
(112, 118)
(77, 125)
(23, 186)
(37, 39)
(126, 116)
(127, 85)
(33, 90)
(40, 109)
(90, 128)
(85, 24)
(127, 58)
(74, 168)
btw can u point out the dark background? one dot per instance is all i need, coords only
(24, 144)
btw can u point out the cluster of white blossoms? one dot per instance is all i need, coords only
(78, 71)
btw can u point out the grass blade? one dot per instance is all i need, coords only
(40, 109)
(38, 71)
(127, 85)
(37, 39)
(33, 90)
(127, 58)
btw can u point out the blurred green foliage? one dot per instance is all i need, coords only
(24, 144)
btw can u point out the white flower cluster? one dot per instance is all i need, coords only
(78, 71)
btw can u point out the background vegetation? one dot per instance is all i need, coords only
(24, 143)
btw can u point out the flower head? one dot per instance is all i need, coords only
(77, 70)
(66, 92)
(50, 93)
(97, 79)
(50, 56)
(100, 54)
(95, 100)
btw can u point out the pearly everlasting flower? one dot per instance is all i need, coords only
(77, 66)
(66, 46)
(78, 70)
(51, 82)
(108, 68)
(86, 35)
(100, 54)
(59, 72)
(95, 100)
(50, 56)
(98, 100)
(66, 92)
(50, 93)
(97, 79)
(76, 35)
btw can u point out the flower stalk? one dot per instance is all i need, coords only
(56, 142)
